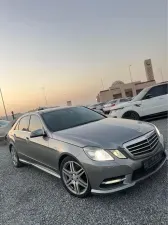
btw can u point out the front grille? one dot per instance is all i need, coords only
(143, 145)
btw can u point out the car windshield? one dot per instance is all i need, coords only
(140, 95)
(4, 123)
(66, 118)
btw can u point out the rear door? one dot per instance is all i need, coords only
(20, 135)
(157, 103)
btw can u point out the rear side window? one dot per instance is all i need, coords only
(158, 90)
(24, 123)
(124, 100)
(35, 123)
(112, 102)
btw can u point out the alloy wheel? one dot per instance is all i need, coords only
(14, 157)
(75, 178)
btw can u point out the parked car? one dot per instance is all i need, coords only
(109, 105)
(88, 151)
(97, 106)
(5, 126)
(150, 102)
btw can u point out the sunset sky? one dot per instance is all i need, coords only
(67, 46)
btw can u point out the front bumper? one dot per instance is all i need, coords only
(128, 181)
(127, 171)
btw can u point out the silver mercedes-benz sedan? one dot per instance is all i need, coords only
(87, 150)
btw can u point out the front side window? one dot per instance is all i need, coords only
(62, 119)
(24, 123)
(35, 123)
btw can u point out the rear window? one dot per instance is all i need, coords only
(62, 119)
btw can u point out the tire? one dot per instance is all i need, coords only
(15, 158)
(74, 178)
(132, 116)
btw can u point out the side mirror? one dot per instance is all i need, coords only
(148, 96)
(38, 133)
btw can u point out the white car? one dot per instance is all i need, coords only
(5, 126)
(109, 105)
(151, 101)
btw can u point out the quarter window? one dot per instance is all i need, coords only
(24, 123)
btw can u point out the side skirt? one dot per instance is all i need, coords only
(41, 168)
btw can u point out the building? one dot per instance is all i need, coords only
(149, 69)
(121, 90)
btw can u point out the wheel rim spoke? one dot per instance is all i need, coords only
(72, 167)
(66, 172)
(76, 186)
(69, 182)
(80, 172)
(82, 183)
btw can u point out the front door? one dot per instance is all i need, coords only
(154, 100)
(39, 146)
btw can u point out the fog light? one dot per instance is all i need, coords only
(113, 181)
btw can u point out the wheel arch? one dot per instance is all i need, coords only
(130, 111)
(63, 156)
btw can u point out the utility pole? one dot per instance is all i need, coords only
(102, 83)
(3, 104)
(130, 73)
(43, 89)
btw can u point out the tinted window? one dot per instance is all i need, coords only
(69, 117)
(35, 123)
(24, 123)
(124, 100)
(158, 90)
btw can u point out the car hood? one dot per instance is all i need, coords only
(108, 133)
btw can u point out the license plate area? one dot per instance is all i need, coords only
(152, 161)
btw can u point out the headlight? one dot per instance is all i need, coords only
(118, 154)
(97, 154)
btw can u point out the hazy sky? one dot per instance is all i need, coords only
(69, 45)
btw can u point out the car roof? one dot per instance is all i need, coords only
(46, 110)
(166, 82)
